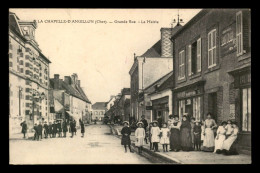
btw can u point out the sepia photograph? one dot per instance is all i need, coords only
(129, 86)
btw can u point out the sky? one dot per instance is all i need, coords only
(100, 53)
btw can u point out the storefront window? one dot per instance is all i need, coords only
(246, 109)
(181, 108)
(196, 108)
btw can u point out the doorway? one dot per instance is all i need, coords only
(212, 105)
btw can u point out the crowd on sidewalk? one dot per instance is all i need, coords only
(183, 135)
(58, 128)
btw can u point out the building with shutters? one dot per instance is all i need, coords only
(147, 68)
(28, 75)
(212, 62)
(98, 111)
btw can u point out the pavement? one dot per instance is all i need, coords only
(191, 157)
(97, 147)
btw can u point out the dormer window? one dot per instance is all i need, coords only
(26, 30)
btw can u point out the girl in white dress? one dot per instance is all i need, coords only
(228, 144)
(139, 136)
(209, 141)
(220, 137)
(155, 133)
(165, 133)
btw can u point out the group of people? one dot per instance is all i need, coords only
(52, 129)
(185, 135)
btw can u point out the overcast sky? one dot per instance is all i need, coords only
(101, 54)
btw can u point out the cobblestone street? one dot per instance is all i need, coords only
(97, 147)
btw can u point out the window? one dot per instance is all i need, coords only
(21, 62)
(21, 70)
(182, 65)
(239, 36)
(10, 64)
(212, 49)
(181, 108)
(196, 108)
(246, 109)
(10, 55)
(199, 55)
(194, 57)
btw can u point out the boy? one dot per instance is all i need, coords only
(197, 136)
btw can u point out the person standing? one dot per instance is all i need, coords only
(72, 128)
(126, 132)
(59, 129)
(82, 127)
(54, 129)
(36, 135)
(140, 136)
(145, 124)
(50, 130)
(150, 136)
(155, 132)
(24, 128)
(197, 135)
(40, 130)
(45, 127)
(209, 141)
(185, 134)
(192, 124)
(220, 138)
(75, 127)
(165, 134)
(202, 133)
(175, 142)
(64, 128)
(159, 120)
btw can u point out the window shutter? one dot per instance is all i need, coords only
(199, 55)
(245, 23)
(239, 30)
(189, 60)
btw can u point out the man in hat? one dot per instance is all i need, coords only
(45, 127)
(64, 128)
(126, 132)
(145, 124)
(40, 130)
(72, 128)
(59, 127)
(24, 128)
(54, 129)
(50, 129)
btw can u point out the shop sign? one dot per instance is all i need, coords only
(245, 79)
(228, 40)
(186, 94)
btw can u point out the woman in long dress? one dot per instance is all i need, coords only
(155, 134)
(209, 141)
(220, 138)
(139, 137)
(229, 145)
(185, 134)
(175, 142)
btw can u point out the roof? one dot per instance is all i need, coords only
(151, 88)
(99, 105)
(167, 84)
(75, 91)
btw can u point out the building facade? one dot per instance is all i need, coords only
(69, 99)
(98, 111)
(28, 75)
(212, 62)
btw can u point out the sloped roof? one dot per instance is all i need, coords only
(99, 105)
(167, 84)
(154, 51)
(151, 88)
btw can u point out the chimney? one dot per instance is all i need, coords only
(67, 80)
(166, 44)
(56, 81)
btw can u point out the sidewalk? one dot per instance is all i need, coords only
(192, 157)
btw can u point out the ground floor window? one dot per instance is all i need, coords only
(196, 108)
(246, 109)
(191, 106)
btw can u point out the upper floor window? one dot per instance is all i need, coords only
(212, 58)
(181, 65)
(239, 33)
(194, 57)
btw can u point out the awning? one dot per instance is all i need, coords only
(58, 107)
(71, 114)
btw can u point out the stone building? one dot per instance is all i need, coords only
(212, 62)
(69, 99)
(147, 68)
(28, 75)
(98, 111)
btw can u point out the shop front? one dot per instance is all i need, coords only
(189, 100)
(161, 108)
(242, 104)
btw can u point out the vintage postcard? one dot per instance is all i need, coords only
(129, 86)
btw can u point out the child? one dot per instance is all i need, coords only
(139, 136)
(155, 132)
(126, 132)
(229, 128)
(165, 134)
(197, 135)
(150, 136)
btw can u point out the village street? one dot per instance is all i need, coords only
(97, 147)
